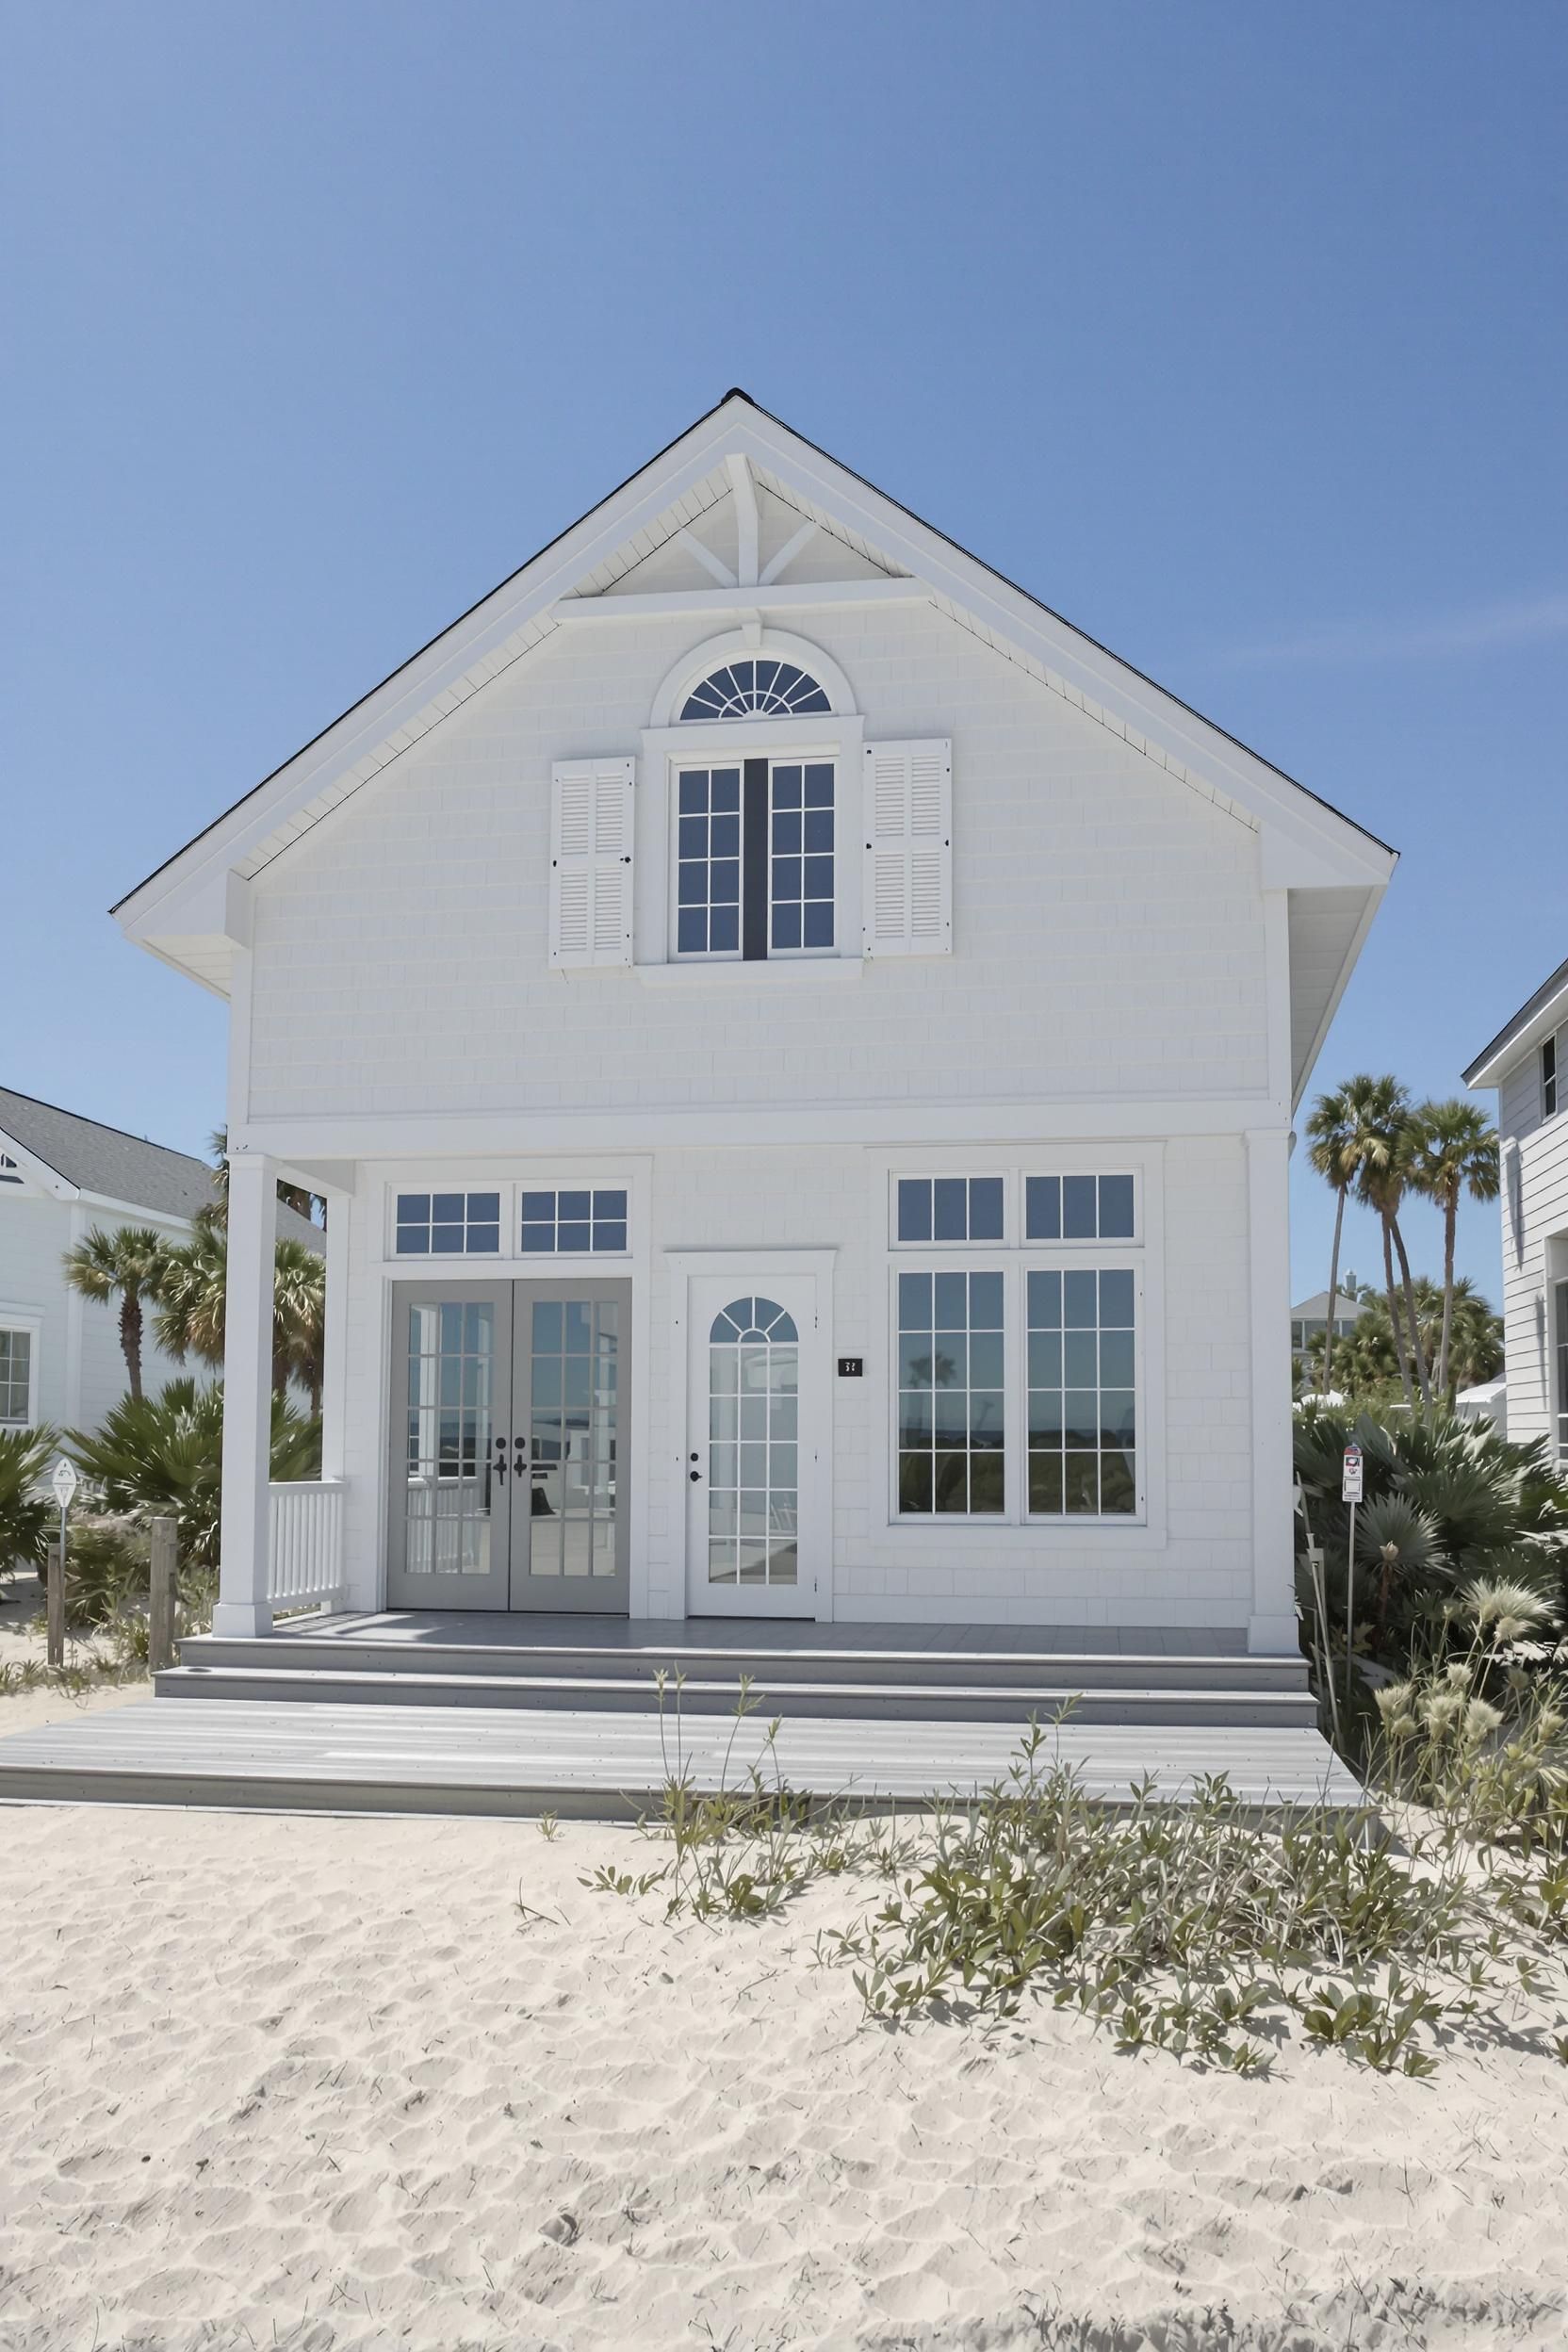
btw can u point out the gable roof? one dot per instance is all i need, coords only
(1533, 1022)
(192, 909)
(110, 1164)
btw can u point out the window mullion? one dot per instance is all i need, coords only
(755, 828)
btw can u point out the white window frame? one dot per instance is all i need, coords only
(1557, 1041)
(1014, 1530)
(755, 750)
(509, 1262)
(977, 1174)
(29, 1321)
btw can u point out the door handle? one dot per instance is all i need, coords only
(521, 1462)
(696, 1476)
(500, 1463)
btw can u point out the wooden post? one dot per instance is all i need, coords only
(161, 1597)
(55, 1602)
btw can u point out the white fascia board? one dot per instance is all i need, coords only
(158, 906)
(1493, 1066)
(1347, 854)
(48, 1179)
(395, 1136)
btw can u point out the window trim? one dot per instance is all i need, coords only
(29, 1321)
(510, 1259)
(729, 743)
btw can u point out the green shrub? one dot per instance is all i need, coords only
(163, 1454)
(26, 1513)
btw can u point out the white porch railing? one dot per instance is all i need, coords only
(305, 1546)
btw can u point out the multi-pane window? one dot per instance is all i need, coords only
(800, 891)
(707, 864)
(560, 1223)
(950, 1208)
(16, 1378)
(1078, 1208)
(765, 686)
(1560, 1336)
(951, 1394)
(1083, 1425)
(755, 853)
(1548, 1078)
(448, 1224)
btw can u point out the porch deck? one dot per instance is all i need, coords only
(413, 1713)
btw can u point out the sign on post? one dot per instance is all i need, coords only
(65, 1482)
(1355, 1474)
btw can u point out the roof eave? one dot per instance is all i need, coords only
(1535, 1021)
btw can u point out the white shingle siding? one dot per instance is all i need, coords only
(1535, 1239)
(1108, 936)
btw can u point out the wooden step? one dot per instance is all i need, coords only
(1132, 1700)
(770, 1657)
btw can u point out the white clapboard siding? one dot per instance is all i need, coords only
(591, 829)
(908, 892)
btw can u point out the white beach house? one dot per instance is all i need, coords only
(800, 1046)
(1528, 1063)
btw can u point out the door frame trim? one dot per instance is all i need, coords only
(753, 1266)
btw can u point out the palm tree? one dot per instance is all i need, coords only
(1382, 1151)
(299, 1319)
(190, 1319)
(1452, 1150)
(1331, 1132)
(131, 1262)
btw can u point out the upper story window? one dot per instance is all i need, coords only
(765, 687)
(1548, 1078)
(9, 1172)
(755, 853)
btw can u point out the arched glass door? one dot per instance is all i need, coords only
(753, 1447)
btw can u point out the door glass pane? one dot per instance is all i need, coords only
(573, 1376)
(753, 1476)
(452, 1354)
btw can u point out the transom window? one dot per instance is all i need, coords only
(755, 858)
(1078, 1208)
(448, 1224)
(951, 1400)
(950, 1208)
(16, 1378)
(1082, 1430)
(566, 1221)
(766, 686)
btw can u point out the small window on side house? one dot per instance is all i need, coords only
(1548, 1079)
(16, 1379)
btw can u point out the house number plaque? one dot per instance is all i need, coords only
(851, 1367)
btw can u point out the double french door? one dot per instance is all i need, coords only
(508, 1477)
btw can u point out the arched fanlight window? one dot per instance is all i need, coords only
(752, 1319)
(765, 687)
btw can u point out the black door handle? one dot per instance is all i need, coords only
(696, 1476)
(500, 1464)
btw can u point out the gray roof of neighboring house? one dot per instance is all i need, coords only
(1549, 988)
(118, 1166)
(1315, 1309)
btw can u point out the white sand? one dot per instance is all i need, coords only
(289, 2081)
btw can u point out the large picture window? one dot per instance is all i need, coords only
(1083, 1424)
(755, 858)
(950, 1401)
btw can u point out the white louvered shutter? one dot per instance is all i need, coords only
(591, 828)
(907, 901)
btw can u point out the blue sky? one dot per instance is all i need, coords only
(1236, 334)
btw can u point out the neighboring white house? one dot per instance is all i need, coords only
(800, 1044)
(1528, 1063)
(60, 1175)
(1309, 1318)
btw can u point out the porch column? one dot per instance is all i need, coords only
(335, 1336)
(1273, 1626)
(242, 1606)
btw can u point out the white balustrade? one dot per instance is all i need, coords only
(305, 1558)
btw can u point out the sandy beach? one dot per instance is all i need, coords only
(320, 2083)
